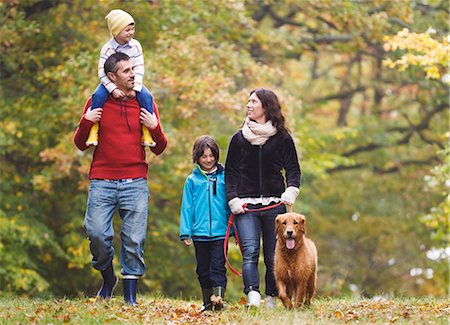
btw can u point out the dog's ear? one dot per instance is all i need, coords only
(277, 222)
(303, 223)
(279, 218)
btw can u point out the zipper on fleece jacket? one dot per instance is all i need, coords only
(209, 205)
(214, 189)
(260, 170)
(209, 200)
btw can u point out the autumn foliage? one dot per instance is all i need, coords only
(366, 102)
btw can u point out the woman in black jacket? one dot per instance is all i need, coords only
(257, 154)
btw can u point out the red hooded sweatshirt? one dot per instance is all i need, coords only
(119, 154)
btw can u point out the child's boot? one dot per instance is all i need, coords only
(217, 298)
(271, 302)
(206, 293)
(147, 139)
(93, 136)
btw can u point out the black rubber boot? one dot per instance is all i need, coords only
(129, 291)
(206, 293)
(109, 283)
(217, 298)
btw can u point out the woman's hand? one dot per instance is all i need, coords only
(289, 196)
(236, 206)
(187, 241)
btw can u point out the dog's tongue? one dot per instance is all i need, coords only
(290, 243)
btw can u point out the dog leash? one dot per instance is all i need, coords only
(236, 235)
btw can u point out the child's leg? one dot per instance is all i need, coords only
(99, 98)
(203, 258)
(203, 265)
(145, 99)
(218, 273)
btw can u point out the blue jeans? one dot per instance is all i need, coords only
(250, 226)
(131, 199)
(211, 271)
(144, 97)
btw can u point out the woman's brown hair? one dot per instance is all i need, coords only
(272, 108)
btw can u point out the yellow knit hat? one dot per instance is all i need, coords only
(117, 20)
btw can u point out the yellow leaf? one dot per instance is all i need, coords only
(338, 314)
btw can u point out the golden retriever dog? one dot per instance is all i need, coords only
(295, 260)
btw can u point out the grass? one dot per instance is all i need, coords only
(160, 310)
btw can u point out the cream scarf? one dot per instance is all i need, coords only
(258, 134)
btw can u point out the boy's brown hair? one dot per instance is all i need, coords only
(204, 142)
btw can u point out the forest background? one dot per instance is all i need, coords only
(364, 87)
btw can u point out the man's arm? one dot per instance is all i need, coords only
(158, 135)
(82, 131)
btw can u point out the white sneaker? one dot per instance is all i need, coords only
(271, 302)
(253, 299)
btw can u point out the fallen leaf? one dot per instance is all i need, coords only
(338, 314)
(394, 319)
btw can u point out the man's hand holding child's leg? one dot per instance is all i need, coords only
(149, 121)
(93, 115)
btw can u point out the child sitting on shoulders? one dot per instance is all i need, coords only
(121, 25)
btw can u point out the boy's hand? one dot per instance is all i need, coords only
(131, 93)
(187, 241)
(93, 115)
(118, 94)
(148, 119)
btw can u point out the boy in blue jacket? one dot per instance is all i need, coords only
(203, 220)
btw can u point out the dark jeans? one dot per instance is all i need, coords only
(211, 269)
(250, 226)
(144, 97)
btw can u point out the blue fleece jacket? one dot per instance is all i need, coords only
(204, 209)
